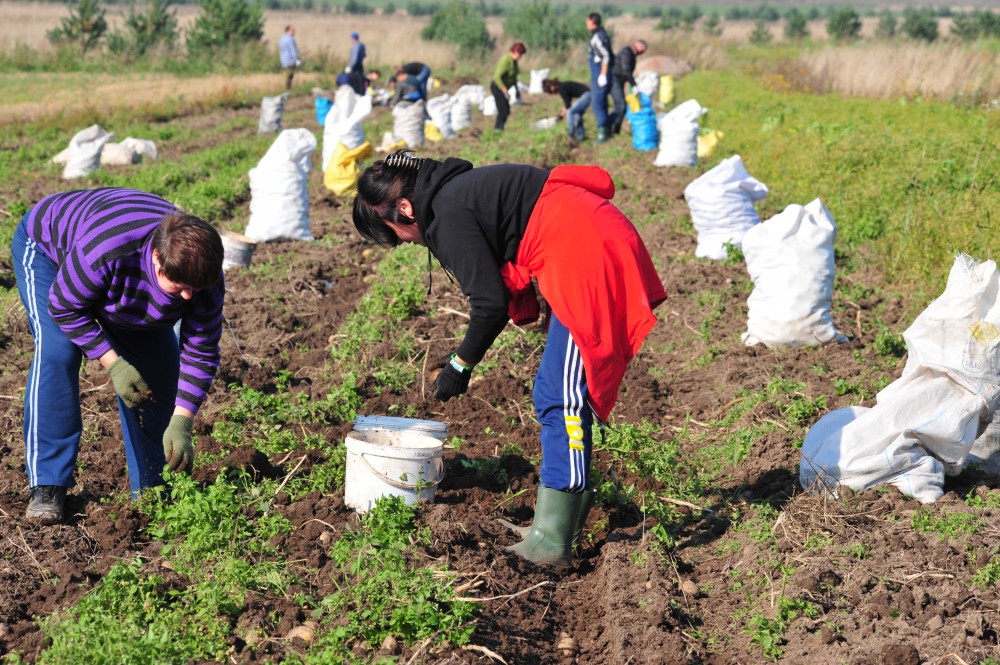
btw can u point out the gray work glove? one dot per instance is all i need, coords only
(129, 384)
(177, 446)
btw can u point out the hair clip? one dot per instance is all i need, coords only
(403, 160)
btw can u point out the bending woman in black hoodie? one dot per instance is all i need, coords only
(495, 228)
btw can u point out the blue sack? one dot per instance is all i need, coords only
(323, 106)
(645, 135)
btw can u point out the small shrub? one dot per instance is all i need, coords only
(919, 24)
(145, 31)
(462, 24)
(541, 26)
(843, 24)
(889, 344)
(761, 33)
(886, 25)
(710, 26)
(796, 26)
(84, 27)
(223, 23)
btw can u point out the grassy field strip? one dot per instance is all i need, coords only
(915, 180)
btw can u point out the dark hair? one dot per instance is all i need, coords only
(550, 86)
(519, 48)
(190, 250)
(595, 18)
(380, 187)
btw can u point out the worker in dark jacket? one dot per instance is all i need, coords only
(576, 99)
(495, 228)
(105, 274)
(623, 75)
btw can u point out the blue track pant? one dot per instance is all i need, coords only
(563, 410)
(52, 422)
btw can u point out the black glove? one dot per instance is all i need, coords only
(452, 381)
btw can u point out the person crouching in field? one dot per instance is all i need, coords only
(495, 228)
(572, 110)
(106, 273)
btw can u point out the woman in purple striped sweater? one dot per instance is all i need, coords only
(106, 273)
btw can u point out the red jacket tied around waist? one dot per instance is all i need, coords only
(594, 271)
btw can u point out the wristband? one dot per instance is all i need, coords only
(458, 367)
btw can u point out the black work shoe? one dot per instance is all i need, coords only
(46, 504)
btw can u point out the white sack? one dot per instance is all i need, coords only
(475, 94)
(439, 110)
(537, 76)
(648, 83)
(119, 154)
(679, 135)
(790, 261)
(279, 189)
(461, 113)
(144, 147)
(721, 202)
(271, 110)
(925, 423)
(345, 121)
(84, 155)
(489, 106)
(61, 157)
(408, 123)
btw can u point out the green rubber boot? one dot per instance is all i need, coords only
(586, 503)
(602, 134)
(549, 541)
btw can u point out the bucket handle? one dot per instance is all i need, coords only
(399, 484)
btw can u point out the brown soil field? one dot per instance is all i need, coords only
(909, 601)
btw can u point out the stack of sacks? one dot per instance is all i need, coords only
(925, 423)
(129, 151)
(279, 189)
(537, 76)
(790, 261)
(271, 110)
(475, 94)
(461, 113)
(721, 203)
(439, 110)
(408, 122)
(344, 122)
(643, 123)
(679, 135)
(83, 156)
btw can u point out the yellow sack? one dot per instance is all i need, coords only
(633, 102)
(342, 171)
(432, 133)
(708, 142)
(667, 90)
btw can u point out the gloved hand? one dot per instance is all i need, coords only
(298, 63)
(602, 80)
(452, 381)
(177, 447)
(129, 384)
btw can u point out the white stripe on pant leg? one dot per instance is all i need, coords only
(572, 408)
(31, 394)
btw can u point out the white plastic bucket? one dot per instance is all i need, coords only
(237, 249)
(433, 428)
(383, 463)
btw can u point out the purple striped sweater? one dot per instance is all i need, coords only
(101, 240)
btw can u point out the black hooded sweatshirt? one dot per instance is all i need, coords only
(473, 221)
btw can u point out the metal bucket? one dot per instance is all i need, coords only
(237, 249)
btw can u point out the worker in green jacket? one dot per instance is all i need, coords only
(504, 80)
